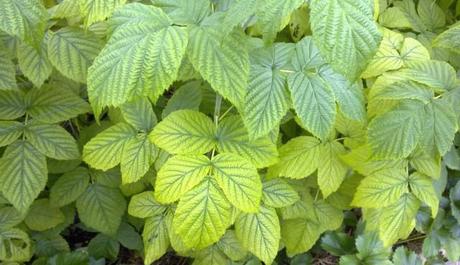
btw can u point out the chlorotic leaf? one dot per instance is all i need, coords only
(449, 39)
(72, 51)
(52, 141)
(277, 193)
(267, 99)
(232, 137)
(144, 205)
(142, 57)
(331, 170)
(185, 132)
(202, 216)
(188, 96)
(34, 63)
(69, 187)
(412, 51)
(7, 73)
(156, 239)
(98, 10)
(106, 149)
(239, 180)
(10, 131)
(231, 246)
(345, 33)
(138, 155)
(12, 104)
(101, 208)
(293, 156)
(422, 187)
(221, 60)
(23, 174)
(139, 114)
(259, 233)
(179, 175)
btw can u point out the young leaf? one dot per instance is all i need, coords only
(101, 208)
(267, 99)
(145, 51)
(381, 189)
(222, 60)
(52, 104)
(10, 131)
(69, 187)
(232, 137)
(422, 187)
(106, 149)
(293, 156)
(179, 175)
(23, 174)
(202, 216)
(277, 193)
(239, 180)
(259, 233)
(52, 141)
(185, 132)
(144, 205)
(156, 239)
(311, 95)
(345, 33)
(72, 51)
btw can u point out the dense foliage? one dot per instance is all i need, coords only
(229, 131)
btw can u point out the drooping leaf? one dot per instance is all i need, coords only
(202, 215)
(69, 187)
(239, 180)
(101, 208)
(259, 233)
(179, 175)
(185, 132)
(23, 174)
(267, 98)
(345, 33)
(52, 141)
(293, 156)
(141, 58)
(232, 137)
(15, 245)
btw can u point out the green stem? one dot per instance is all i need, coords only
(410, 239)
(317, 194)
(217, 107)
(225, 113)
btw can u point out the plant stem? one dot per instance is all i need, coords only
(410, 239)
(317, 194)
(217, 107)
(225, 113)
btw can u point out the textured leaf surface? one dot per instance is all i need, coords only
(10, 131)
(312, 97)
(395, 134)
(278, 193)
(98, 10)
(381, 189)
(180, 174)
(35, 63)
(52, 104)
(239, 180)
(422, 187)
(138, 155)
(449, 39)
(331, 170)
(106, 149)
(346, 34)
(141, 58)
(260, 233)
(232, 137)
(202, 215)
(139, 114)
(12, 104)
(7, 73)
(293, 156)
(184, 11)
(156, 239)
(52, 141)
(69, 187)
(25, 19)
(397, 220)
(267, 99)
(188, 96)
(185, 132)
(23, 174)
(101, 208)
(144, 205)
(221, 60)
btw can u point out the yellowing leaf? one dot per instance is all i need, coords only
(277, 193)
(422, 187)
(98, 10)
(144, 205)
(331, 170)
(239, 180)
